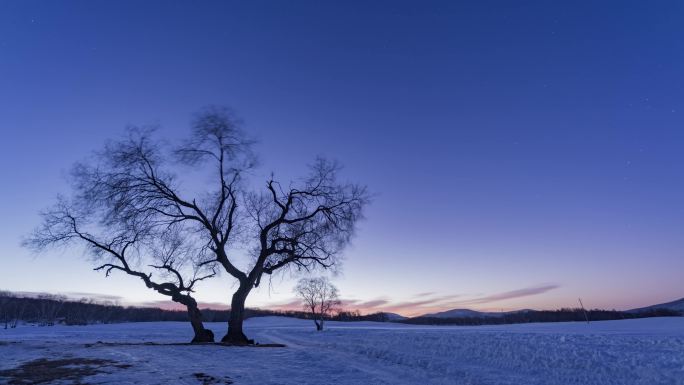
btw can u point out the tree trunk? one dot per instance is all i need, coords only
(202, 335)
(235, 334)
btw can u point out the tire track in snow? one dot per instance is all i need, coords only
(359, 362)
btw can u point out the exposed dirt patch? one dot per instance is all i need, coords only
(44, 371)
(206, 379)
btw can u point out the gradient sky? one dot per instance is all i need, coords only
(524, 154)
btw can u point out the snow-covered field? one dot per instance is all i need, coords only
(645, 351)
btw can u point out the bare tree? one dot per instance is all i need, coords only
(5, 308)
(320, 298)
(122, 247)
(304, 226)
(17, 314)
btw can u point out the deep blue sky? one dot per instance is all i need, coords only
(523, 154)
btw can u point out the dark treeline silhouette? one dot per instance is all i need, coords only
(47, 310)
(348, 316)
(561, 315)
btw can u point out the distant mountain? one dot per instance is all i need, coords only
(465, 313)
(394, 316)
(677, 306)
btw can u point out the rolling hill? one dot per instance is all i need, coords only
(677, 305)
(464, 313)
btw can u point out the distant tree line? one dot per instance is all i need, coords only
(561, 315)
(348, 316)
(48, 310)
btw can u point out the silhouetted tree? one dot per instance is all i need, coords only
(303, 227)
(5, 308)
(320, 298)
(133, 184)
(121, 246)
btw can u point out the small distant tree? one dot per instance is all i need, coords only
(320, 298)
(5, 308)
(17, 313)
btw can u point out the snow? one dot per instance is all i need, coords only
(642, 351)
